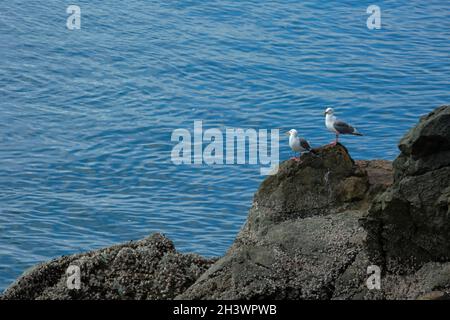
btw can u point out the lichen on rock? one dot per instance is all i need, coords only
(147, 269)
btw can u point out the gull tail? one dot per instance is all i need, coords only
(356, 133)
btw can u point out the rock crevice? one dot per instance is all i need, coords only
(408, 225)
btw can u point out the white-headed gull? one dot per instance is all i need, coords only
(297, 144)
(337, 126)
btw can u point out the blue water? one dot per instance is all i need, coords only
(87, 115)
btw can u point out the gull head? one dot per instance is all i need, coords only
(329, 111)
(292, 132)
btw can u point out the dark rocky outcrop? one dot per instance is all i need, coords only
(302, 231)
(303, 238)
(146, 269)
(311, 233)
(409, 224)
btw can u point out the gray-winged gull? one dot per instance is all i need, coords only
(297, 144)
(337, 126)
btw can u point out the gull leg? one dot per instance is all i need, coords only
(298, 158)
(335, 141)
(293, 156)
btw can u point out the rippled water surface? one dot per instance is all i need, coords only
(87, 115)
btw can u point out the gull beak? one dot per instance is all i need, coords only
(288, 133)
(325, 113)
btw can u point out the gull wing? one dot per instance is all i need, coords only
(305, 145)
(343, 127)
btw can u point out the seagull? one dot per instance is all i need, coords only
(337, 126)
(297, 144)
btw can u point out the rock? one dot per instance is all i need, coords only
(408, 225)
(303, 237)
(434, 295)
(379, 173)
(430, 282)
(147, 269)
(294, 260)
(426, 147)
(302, 231)
(322, 184)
